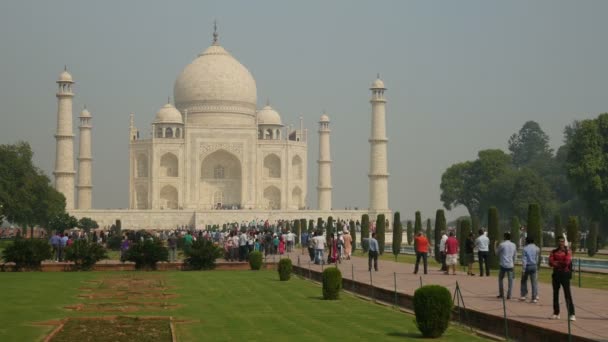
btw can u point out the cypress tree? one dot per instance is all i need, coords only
(475, 225)
(329, 230)
(302, 228)
(515, 231)
(417, 224)
(534, 228)
(298, 229)
(397, 233)
(320, 224)
(493, 236)
(364, 232)
(380, 231)
(429, 231)
(311, 226)
(559, 230)
(353, 235)
(440, 226)
(572, 232)
(592, 239)
(465, 229)
(409, 232)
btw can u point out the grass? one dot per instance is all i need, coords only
(588, 280)
(219, 305)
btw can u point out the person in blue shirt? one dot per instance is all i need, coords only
(373, 252)
(506, 252)
(529, 261)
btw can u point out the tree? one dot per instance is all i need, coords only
(86, 224)
(26, 196)
(429, 231)
(530, 148)
(353, 235)
(559, 230)
(380, 232)
(515, 230)
(465, 229)
(587, 166)
(311, 226)
(364, 232)
(475, 225)
(417, 224)
(297, 229)
(440, 227)
(329, 230)
(319, 224)
(493, 236)
(534, 226)
(592, 240)
(572, 232)
(397, 234)
(409, 233)
(62, 222)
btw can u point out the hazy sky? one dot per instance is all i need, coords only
(461, 76)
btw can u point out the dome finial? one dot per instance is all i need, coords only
(85, 106)
(169, 99)
(268, 101)
(65, 67)
(378, 75)
(215, 34)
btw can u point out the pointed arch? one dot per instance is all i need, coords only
(169, 165)
(296, 197)
(142, 165)
(141, 197)
(272, 197)
(221, 171)
(297, 168)
(168, 197)
(272, 166)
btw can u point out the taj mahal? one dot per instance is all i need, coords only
(213, 156)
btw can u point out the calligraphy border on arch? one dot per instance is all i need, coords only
(235, 148)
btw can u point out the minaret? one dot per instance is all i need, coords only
(64, 159)
(378, 169)
(85, 186)
(324, 186)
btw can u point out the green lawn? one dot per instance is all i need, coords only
(220, 305)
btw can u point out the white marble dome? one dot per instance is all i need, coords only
(378, 84)
(215, 79)
(324, 118)
(269, 116)
(168, 114)
(65, 77)
(85, 113)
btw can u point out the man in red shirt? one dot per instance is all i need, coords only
(421, 244)
(451, 251)
(561, 261)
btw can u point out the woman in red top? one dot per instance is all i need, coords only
(421, 244)
(561, 261)
(451, 251)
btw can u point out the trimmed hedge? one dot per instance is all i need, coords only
(381, 232)
(27, 253)
(85, 254)
(202, 255)
(285, 269)
(440, 226)
(364, 232)
(146, 254)
(433, 307)
(332, 283)
(255, 260)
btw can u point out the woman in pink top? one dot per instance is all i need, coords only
(451, 251)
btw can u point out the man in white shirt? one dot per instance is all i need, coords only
(290, 238)
(444, 239)
(482, 243)
(319, 248)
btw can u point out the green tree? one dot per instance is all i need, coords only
(353, 235)
(534, 226)
(440, 227)
(417, 224)
(429, 231)
(319, 224)
(409, 232)
(397, 234)
(329, 230)
(380, 232)
(530, 148)
(86, 224)
(592, 240)
(62, 222)
(297, 229)
(559, 230)
(572, 232)
(364, 232)
(587, 166)
(465, 229)
(515, 230)
(493, 236)
(475, 225)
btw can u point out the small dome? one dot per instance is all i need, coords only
(378, 84)
(85, 113)
(65, 77)
(269, 116)
(168, 114)
(324, 118)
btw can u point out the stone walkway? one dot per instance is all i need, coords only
(479, 293)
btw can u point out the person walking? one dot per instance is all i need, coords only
(561, 261)
(172, 244)
(469, 254)
(373, 252)
(506, 252)
(529, 261)
(482, 243)
(451, 253)
(348, 244)
(444, 239)
(319, 248)
(421, 244)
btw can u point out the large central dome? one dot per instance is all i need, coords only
(215, 82)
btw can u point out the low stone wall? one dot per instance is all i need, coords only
(129, 266)
(492, 324)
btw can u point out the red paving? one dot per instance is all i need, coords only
(479, 293)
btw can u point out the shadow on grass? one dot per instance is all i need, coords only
(406, 334)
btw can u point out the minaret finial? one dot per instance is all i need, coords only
(215, 34)
(65, 67)
(378, 75)
(268, 101)
(85, 106)
(169, 99)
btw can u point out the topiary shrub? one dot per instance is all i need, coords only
(201, 255)
(146, 254)
(364, 232)
(255, 260)
(114, 242)
(332, 283)
(433, 307)
(85, 254)
(27, 253)
(285, 269)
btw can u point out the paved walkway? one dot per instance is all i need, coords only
(479, 293)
